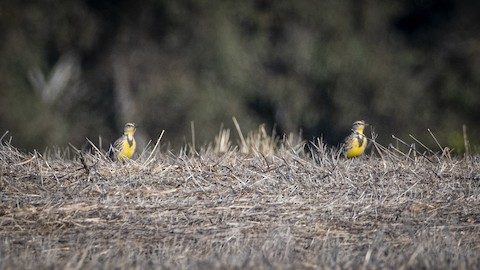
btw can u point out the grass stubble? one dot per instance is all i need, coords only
(268, 203)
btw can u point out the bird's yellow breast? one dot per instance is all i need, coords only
(128, 148)
(356, 149)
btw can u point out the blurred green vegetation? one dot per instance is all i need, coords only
(76, 69)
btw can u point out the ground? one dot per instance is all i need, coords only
(259, 206)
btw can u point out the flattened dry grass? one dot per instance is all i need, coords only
(266, 204)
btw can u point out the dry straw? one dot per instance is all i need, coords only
(270, 202)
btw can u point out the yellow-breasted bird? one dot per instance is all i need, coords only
(356, 143)
(124, 147)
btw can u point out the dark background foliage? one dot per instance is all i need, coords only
(76, 69)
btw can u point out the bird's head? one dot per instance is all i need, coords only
(130, 128)
(359, 126)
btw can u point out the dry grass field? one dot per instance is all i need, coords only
(266, 204)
